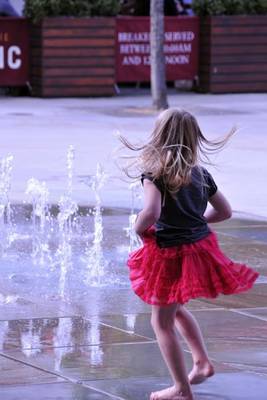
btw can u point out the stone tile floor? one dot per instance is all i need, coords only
(56, 351)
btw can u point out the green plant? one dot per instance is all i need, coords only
(234, 7)
(229, 7)
(208, 7)
(105, 7)
(256, 6)
(38, 9)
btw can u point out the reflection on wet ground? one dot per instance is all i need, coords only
(100, 345)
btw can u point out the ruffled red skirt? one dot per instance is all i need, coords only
(162, 276)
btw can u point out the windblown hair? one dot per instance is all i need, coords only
(176, 145)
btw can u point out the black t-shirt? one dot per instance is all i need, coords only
(182, 215)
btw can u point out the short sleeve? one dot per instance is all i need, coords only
(212, 187)
(156, 182)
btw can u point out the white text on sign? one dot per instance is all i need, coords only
(10, 57)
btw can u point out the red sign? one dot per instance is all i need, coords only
(133, 48)
(14, 51)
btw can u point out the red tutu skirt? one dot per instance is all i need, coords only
(162, 276)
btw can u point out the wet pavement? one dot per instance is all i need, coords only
(103, 346)
(97, 343)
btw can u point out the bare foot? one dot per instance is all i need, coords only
(200, 373)
(171, 393)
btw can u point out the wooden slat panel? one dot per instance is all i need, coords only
(239, 59)
(36, 52)
(240, 40)
(233, 55)
(256, 49)
(204, 76)
(218, 68)
(74, 57)
(206, 43)
(68, 81)
(36, 61)
(244, 87)
(36, 70)
(239, 77)
(37, 91)
(35, 34)
(79, 32)
(84, 52)
(36, 42)
(240, 30)
(75, 91)
(36, 81)
(78, 62)
(67, 22)
(79, 72)
(82, 42)
(234, 68)
(239, 20)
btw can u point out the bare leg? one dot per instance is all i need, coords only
(163, 323)
(189, 329)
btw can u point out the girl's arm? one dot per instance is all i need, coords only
(221, 208)
(152, 208)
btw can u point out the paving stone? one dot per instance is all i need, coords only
(249, 230)
(58, 391)
(14, 307)
(233, 386)
(99, 361)
(255, 312)
(140, 323)
(225, 324)
(246, 355)
(104, 362)
(223, 386)
(255, 297)
(33, 334)
(245, 251)
(16, 373)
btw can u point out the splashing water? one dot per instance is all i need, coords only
(56, 237)
(130, 322)
(96, 261)
(70, 161)
(134, 242)
(94, 336)
(31, 340)
(67, 209)
(6, 165)
(3, 333)
(38, 193)
(62, 341)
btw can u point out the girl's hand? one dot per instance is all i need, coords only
(147, 234)
(141, 239)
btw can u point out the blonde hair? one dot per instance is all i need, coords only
(176, 145)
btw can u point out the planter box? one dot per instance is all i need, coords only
(73, 57)
(233, 54)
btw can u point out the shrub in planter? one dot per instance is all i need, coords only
(72, 54)
(105, 7)
(233, 45)
(229, 7)
(38, 9)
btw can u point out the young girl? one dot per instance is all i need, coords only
(180, 258)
